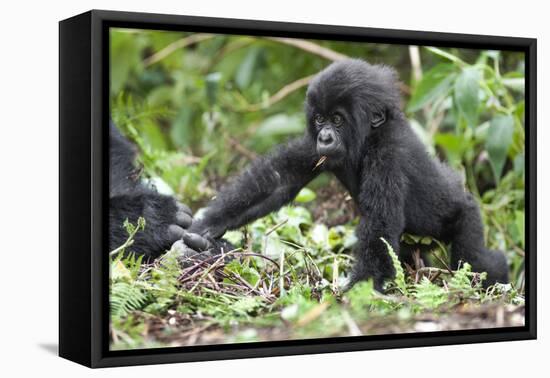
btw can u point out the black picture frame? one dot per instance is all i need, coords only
(83, 181)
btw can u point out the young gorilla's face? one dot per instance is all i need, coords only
(329, 129)
(332, 115)
(344, 103)
(330, 108)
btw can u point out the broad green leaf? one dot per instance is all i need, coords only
(152, 136)
(320, 235)
(517, 84)
(480, 132)
(410, 239)
(519, 164)
(281, 124)
(119, 271)
(434, 84)
(423, 135)
(341, 236)
(294, 215)
(446, 55)
(272, 246)
(520, 110)
(160, 96)
(244, 74)
(466, 91)
(212, 83)
(305, 195)
(515, 81)
(250, 274)
(499, 139)
(125, 58)
(426, 240)
(181, 132)
(454, 145)
(234, 237)
(415, 239)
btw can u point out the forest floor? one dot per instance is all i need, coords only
(284, 281)
(182, 330)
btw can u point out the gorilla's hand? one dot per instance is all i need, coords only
(183, 219)
(195, 247)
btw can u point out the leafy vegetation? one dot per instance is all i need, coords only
(291, 291)
(200, 107)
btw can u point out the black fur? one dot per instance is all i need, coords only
(375, 154)
(130, 199)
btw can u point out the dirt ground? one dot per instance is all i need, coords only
(182, 330)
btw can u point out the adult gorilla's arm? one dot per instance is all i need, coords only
(266, 185)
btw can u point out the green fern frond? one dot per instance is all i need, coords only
(125, 298)
(430, 295)
(399, 273)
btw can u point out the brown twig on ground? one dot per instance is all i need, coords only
(276, 227)
(203, 275)
(443, 262)
(312, 314)
(258, 255)
(431, 269)
(236, 278)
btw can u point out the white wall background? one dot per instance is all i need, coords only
(29, 185)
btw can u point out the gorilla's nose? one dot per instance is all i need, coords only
(325, 137)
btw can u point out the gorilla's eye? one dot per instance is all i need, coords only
(319, 119)
(337, 119)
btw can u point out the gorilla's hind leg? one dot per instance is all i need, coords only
(468, 245)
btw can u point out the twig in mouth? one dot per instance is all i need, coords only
(320, 162)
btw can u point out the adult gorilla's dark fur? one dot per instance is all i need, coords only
(166, 219)
(354, 119)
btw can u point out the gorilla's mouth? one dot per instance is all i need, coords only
(333, 151)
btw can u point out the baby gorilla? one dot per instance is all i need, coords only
(356, 129)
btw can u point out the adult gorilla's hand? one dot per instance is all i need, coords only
(194, 247)
(183, 219)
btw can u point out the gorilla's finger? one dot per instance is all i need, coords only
(184, 208)
(196, 241)
(175, 232)
(183, 219)
(178, 247)
(182, 250)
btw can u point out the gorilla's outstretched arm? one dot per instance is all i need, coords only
(266, 185)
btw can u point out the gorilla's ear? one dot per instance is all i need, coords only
(378, 118)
